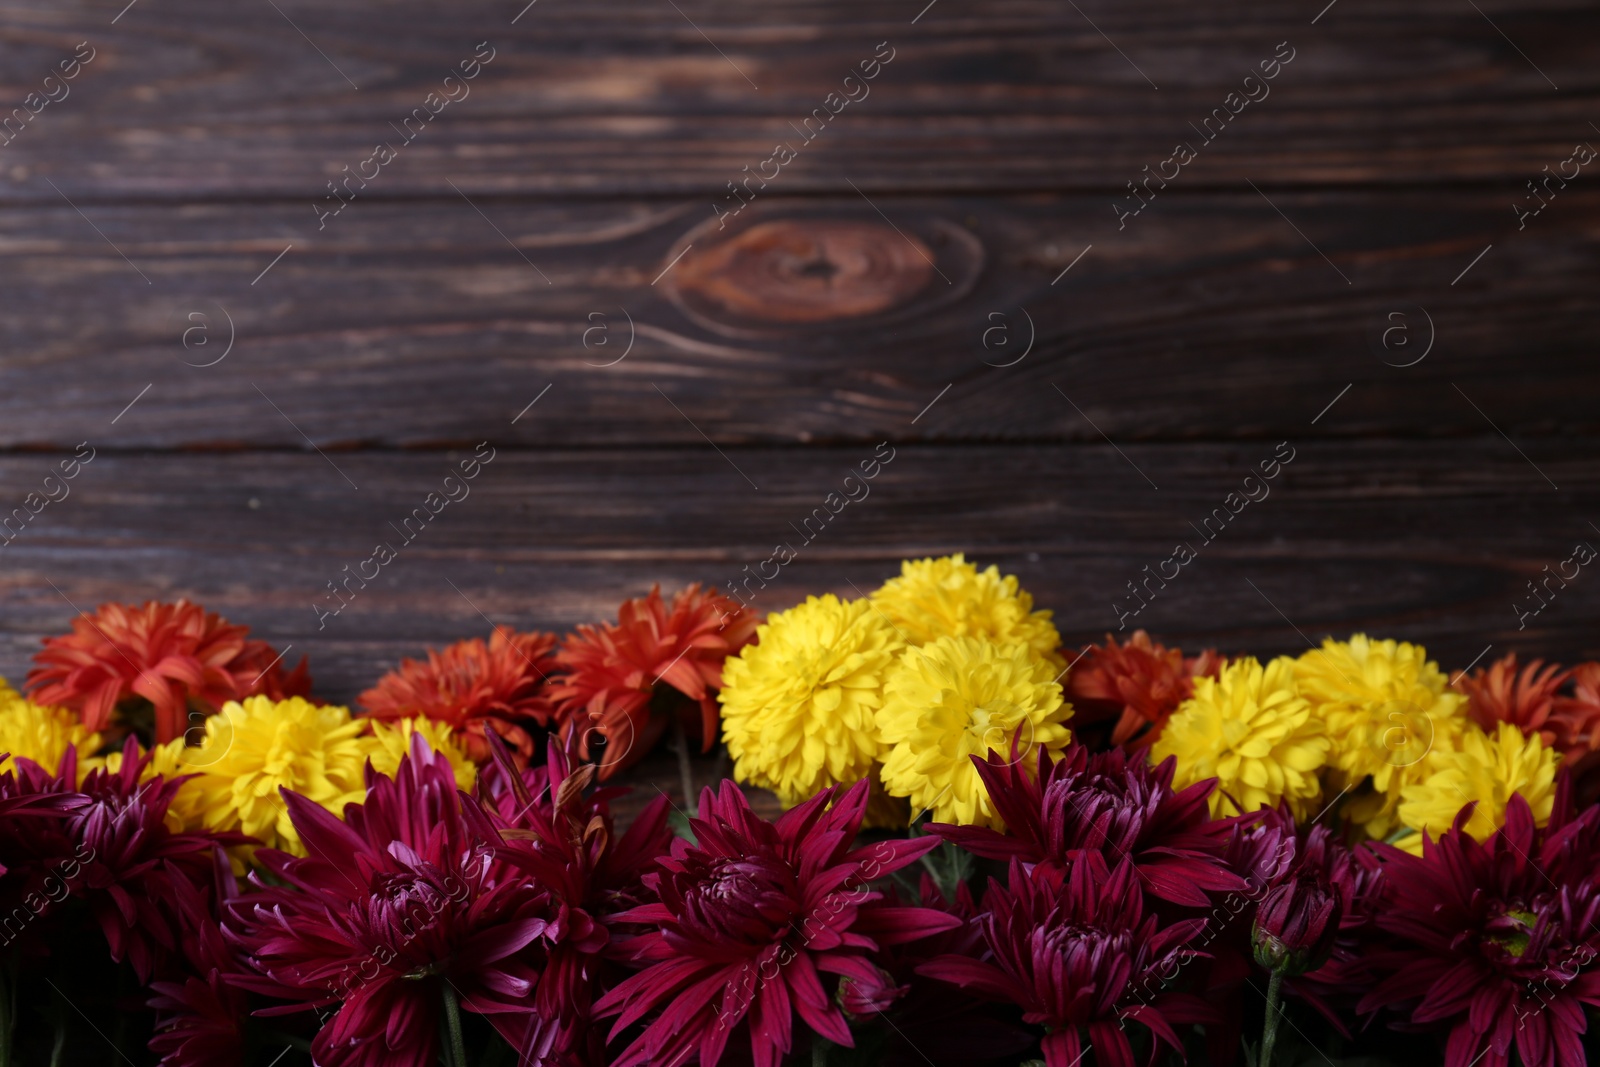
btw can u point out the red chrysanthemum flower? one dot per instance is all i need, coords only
(474, 687)
(199, 1014)
(178, 657)
(406, 900)
(1139, 684)
(1081, 958)
(112, 849)
(561, 835)
(625, 679)
(1576, 718)
(1496, 944)
(751, 924)
(1112, 805)
(1526, 699)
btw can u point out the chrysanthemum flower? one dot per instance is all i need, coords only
(1576, 718)
(753, 921)
(254, 749)
(1386, 707)
(199, 1014)
(179, 658)
(949, 597)
(391, 741)
(1355, 877)
(474, 686)
(1496, 944)
(653, 649)
(1103, 803)
(1525, 699)
(405, 899)
(964, 1029)
(1483, 769)
(42, 733)
(960, 697)
(1139, 684)
(1082, 960)
(186, 809)
(113, 850)
(799, 705)
(1250, 729)
(561, 836)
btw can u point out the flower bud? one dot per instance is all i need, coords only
(1296, 925)
(862, 1000)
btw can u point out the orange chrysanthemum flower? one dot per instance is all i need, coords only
(1576, 718)
(178, 659)
(1140, 684)
(615, 671)
(1525, 699)
(475, 687)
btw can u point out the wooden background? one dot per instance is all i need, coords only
(884, 288)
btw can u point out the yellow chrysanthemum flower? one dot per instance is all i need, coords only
(392, 740)
(1484, 768)
(1386, 706)
(254, 748)
(949, 597)
(42, 734)
(959, 697)
(798, 705)
(1251, 730)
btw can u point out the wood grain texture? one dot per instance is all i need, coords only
(272, 389)
(628, 98)
(409, 325)
(1432, 541)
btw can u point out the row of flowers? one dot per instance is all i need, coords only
(996, 850)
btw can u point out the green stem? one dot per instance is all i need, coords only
(452, 1018)
(1269, 1029)
(680, 741)
(58, 1013)
(819, 1051)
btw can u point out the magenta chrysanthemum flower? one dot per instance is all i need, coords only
(199, 1015)
(1496, 944)
(1356, 878)
(1108, 804)
(754, 922)
(111, 848)
(965, 1029)
(19, 801)
(560, 834)
(408, 897)
(1081, 959)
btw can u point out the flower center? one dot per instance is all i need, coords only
(1093, 810)
(407, 905)
(991, 728)
(746, 899)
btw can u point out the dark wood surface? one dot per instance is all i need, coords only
(883, 288)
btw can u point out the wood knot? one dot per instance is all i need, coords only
(820, 270)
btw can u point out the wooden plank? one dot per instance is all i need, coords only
(644, 98)
(1431, 541)
(410, 325)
